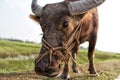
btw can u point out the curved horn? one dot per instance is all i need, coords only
(36, 9)
(82, 6)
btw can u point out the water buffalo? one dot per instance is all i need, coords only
(65, 26)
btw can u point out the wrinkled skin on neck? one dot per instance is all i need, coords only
(57, 24)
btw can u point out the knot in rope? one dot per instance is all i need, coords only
(51, 50)
(65, 48)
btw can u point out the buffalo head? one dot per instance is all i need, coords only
(58, 21)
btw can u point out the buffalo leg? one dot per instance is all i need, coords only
(74, 66)
(66, 70)
(91, 55)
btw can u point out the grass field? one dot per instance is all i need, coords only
(14, 49)
(12, 66)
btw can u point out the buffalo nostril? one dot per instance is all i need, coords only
(41, 66)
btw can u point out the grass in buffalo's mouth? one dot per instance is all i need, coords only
(9, 65)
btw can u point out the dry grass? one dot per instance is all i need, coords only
(106, 70)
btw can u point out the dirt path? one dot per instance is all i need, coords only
(107, 71)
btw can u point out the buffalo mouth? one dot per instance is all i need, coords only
(50, 72)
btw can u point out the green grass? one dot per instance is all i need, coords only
(14, 49)
(9, 65)
(100, 56)
(106, 62)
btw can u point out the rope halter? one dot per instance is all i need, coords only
(65, 48)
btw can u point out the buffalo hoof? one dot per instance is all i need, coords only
(94, 75)
(65, 77)
(75, 69)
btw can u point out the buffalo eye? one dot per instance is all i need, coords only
(66, 24)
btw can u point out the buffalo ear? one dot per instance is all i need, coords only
(34, 18)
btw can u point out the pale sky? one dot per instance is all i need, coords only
(15, 23)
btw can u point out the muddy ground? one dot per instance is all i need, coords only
(102, 68)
